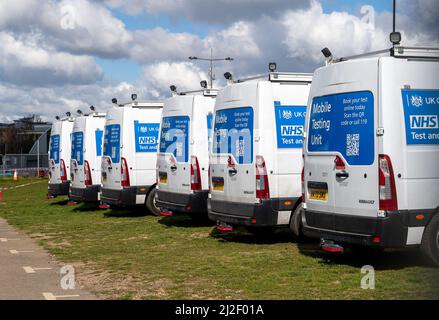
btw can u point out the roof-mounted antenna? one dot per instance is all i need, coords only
(79, 112)
(68, 114)
(92, 108)
(395, 37)
(57, 117)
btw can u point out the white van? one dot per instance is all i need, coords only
(256, 155)
(59, 157)
(371, 169)
(130, 154)
(85, 165)
(183, 159)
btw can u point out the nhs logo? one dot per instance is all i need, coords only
(424, 122)
(291, 130)
(147, 140)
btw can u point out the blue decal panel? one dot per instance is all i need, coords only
(147, 136)
(174, 137)
(78, 147)
(54, 148)
(112, 142)
(421, 115)
(343, 123)
(99, 135)
(290, 122)
(233, 133)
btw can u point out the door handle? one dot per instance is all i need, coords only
(173, 168)
(342, 175)
(233, 171)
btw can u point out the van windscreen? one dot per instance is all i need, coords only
(233, 133)
(174, 137)
(112, 142)
(343, 123)
(77, 147)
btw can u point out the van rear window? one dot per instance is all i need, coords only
(421, 114)
(233, 133)
(77, 147)
(174, 137)
(343, 123)
(54, 148)
(112, 142)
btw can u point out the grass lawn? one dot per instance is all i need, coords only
(128, 255)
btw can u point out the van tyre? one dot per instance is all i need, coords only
(296, 223)
(430, 240)
(151, 203)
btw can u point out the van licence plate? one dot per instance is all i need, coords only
(218, 183)
(318, 191)
(163, 177)
(104, 176)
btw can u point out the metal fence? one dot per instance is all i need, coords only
(24, 164)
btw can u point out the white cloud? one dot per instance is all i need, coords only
(23, 61)
(157, 78)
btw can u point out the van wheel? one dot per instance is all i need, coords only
(296, 223)
(151, 204)
(430, 240)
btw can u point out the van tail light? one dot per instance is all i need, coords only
(339, 163)
(124, 173)
(195, 174)
(262, 188)
(63, 171)
(87, 173)
(387, 188)
(230, 162)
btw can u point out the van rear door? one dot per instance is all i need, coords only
(341, 147)
(233, 172)
(111, 175)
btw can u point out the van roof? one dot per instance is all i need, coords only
(280, 77)
(419, 53)
(143, 104)
(204, 92)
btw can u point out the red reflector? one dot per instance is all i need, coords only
(104, 206)
(339, 163)
(420, 217)
(189, 208)
(253, 220)
(166, 213)
(376, 239)
(223, 228)
(332, 248)
(71, 203)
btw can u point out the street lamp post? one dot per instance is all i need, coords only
(211, 61)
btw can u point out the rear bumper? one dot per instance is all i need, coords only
(263, 214)
(58, 189)
(192, 203)
(125, 197)
(391, 230)
(87, 194)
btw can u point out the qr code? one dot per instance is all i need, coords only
(239, 148)
(353, 144)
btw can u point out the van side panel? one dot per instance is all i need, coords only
(412, 87)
